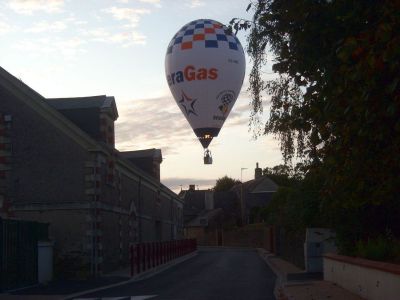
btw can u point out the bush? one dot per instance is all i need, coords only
(382, 248)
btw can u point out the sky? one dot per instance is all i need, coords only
(73, 48)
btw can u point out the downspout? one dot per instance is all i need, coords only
(94, 240)
(95, 212)
(172, 220)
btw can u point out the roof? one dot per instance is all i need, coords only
(102, 102)
(204, 217)
(260, 185)
(193, 201)
(146, 153)
(228, 201)
(265, 185)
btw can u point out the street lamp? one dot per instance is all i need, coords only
(241, 194)
(241, 174)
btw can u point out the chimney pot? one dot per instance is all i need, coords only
(257, 172)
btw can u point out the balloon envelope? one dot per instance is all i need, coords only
(205, 67)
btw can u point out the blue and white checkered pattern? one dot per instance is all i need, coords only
(204, 32)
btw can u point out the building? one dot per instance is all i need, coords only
(255, 194)
(59, 165)
(207, 213)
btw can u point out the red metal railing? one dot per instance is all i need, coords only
(145, 256)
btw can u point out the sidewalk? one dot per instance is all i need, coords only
(66, 289)
(293, 283)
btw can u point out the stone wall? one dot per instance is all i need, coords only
(42, 170)
(92, 199)
(70, 231)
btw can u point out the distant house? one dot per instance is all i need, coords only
(255, 193)
(206, 213)
(59, 165)
(235, 207)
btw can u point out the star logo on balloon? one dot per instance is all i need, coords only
(188, 104)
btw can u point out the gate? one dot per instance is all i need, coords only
(18, 252)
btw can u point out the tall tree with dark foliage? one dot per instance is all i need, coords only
(335, 103)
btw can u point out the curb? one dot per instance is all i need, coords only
(140, 277)
(281, 279)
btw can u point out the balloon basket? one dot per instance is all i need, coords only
(207, 157)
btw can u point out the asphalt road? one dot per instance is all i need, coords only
(213, 274)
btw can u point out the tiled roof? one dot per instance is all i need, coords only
(101, 102)
(260, 185)
(154, 153)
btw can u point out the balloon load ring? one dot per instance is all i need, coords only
(205, 68)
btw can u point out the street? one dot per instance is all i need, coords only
(212, 274)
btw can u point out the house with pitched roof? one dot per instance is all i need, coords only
(206, 213)
(59, 165)
(230, 208)
(255, 193)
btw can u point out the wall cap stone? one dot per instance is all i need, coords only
(366, 263)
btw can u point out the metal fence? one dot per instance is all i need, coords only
(145, 256)
(19, 252)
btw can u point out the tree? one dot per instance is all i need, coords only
(282, 175)
(335, 103)
(224, 184)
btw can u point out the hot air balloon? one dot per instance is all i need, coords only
(205, 67)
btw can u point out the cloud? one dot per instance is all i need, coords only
(132, 18)
(156, 3)
(126, 38)
(4, 28)
(57, 46)
(152, 123)
(132, 15)
(195, 3)
(159, 123)
(28, 7)
(45, 26)
(73, 20)
(236, 119)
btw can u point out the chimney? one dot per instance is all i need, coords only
(257, 172)
(148, 160)
(95, 115)
(191, 187)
